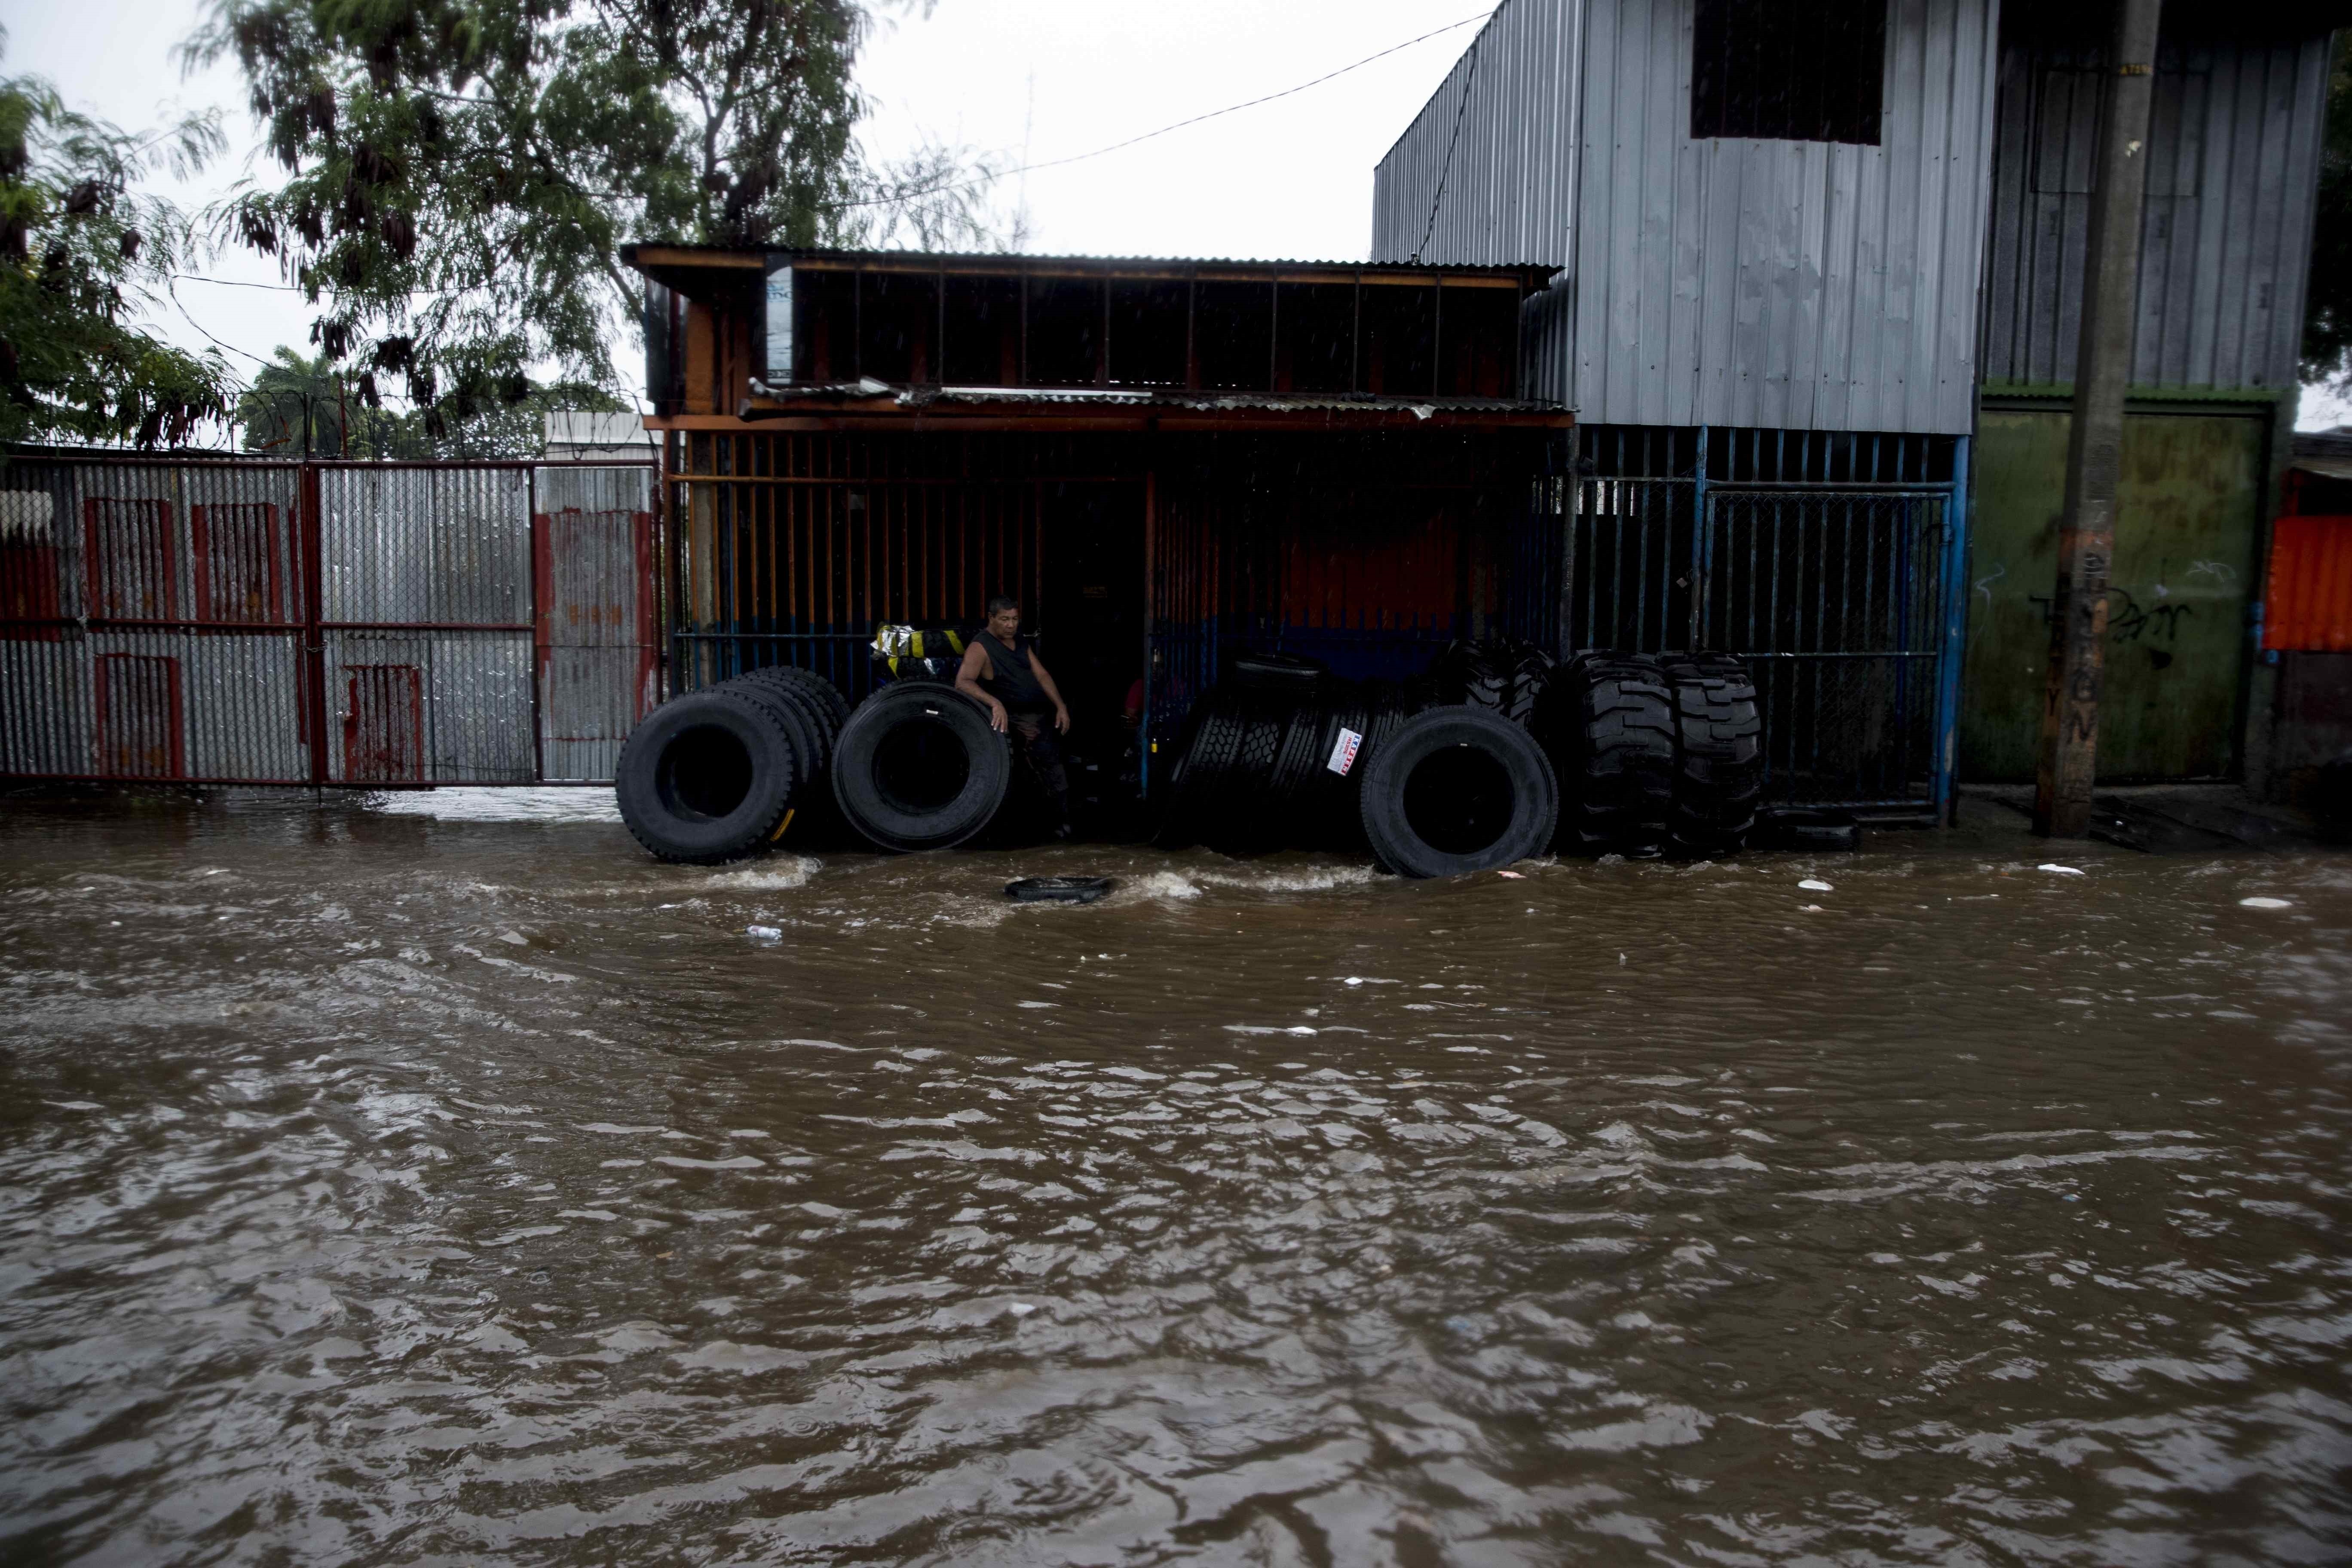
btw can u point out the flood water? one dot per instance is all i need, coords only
(380, 1187)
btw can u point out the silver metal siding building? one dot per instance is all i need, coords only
(1729, 280)
(2233, 160)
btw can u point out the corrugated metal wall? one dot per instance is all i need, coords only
(152, 622)
(1509, 188)
(218, 620)
(2233, 152)
(1780, 284)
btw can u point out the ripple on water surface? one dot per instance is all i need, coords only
(399, 1187)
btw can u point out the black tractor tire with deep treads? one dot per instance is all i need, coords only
(1457, 789)
(1607, 720)
(1719, 754)
(708, 777)
(918, 767)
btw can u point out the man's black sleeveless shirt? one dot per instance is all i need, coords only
(1011, 680)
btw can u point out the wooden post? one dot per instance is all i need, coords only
(2102, 361)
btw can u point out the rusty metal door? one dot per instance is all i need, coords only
(597, 648)
(2179, 597)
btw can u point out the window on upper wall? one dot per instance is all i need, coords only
(1794, 70)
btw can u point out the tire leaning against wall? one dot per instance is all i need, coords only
(868, 799)
(676, 786)
(1531, 805)
(1719, 754)
(1607, 720)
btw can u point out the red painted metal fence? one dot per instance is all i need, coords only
(2308, 605)
(370, 625)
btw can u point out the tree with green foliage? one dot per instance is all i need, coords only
(301, 405)
(2327, 305)
(80, 250)
(459, 175)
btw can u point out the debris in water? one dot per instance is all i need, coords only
(763, 934)
(1514, 875)
(1020, 1309)
(1811, 910)
(1815, 885)
(2061, 870)
(2259, 903)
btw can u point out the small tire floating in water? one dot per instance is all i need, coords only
(1458, 789)
(918, 767)
(1058, 889)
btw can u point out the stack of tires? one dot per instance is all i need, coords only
(1660, 754)
(1268, 758)
(721, 773)
(1280, 754)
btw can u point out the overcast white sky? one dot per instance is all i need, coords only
(1058, 77)
(1291, 179)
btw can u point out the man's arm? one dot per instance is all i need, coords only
(1061, 709)
(967, 681)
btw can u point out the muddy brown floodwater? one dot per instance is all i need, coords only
(379, 1186)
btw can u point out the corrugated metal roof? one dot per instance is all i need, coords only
(1016, 261)
(2327, 452)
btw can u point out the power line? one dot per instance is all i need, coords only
(182, 309)
(1149, 135)
(235, 282)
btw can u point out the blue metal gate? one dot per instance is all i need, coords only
(1831, 562)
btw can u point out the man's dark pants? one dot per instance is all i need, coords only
(1043, 747)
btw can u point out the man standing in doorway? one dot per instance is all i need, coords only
(1020, 695)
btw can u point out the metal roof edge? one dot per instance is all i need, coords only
(1024, 261)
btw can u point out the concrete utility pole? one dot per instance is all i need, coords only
(2103, 360)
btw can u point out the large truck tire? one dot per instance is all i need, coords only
(1608, 721)
(1719, 754)
(917, 767)
(1457, 789)
(708, 777)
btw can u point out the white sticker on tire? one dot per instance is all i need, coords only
(1343, 755)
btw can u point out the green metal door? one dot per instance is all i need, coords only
(2184, 568)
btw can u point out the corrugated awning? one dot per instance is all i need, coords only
(884, 403)
(2327, 452)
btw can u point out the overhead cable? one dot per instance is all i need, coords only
(1178, 125)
